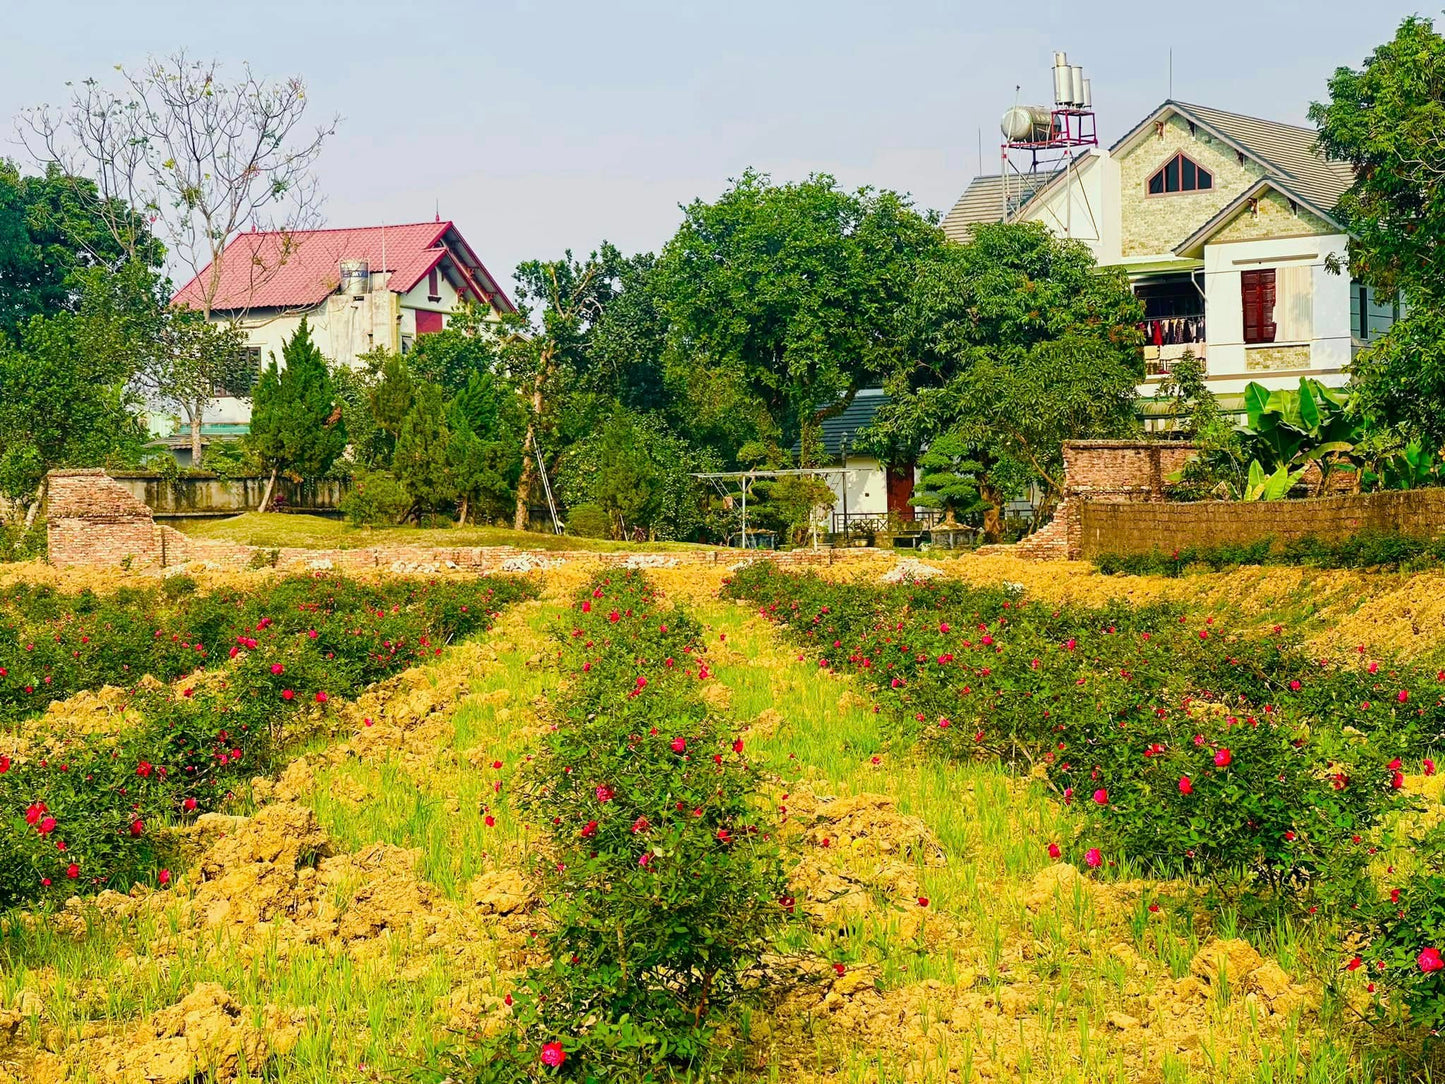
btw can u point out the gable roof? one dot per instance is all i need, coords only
(1288, 154)
(1229, 211)
(300, 269)
(983, 200)
(855, 416)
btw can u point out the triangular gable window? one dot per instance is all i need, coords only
(1180, 174)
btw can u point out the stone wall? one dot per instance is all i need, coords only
(1140, 527)
(91, 520)
(1100, 471)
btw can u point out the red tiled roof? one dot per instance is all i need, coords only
(300, 269)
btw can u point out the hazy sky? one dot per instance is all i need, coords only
(542, 126)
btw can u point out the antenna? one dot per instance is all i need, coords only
(1171, 74)
(980, 152)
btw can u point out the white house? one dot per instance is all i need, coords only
(359, 290)
(1226, 227)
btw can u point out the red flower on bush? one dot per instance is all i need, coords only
(1430, 960)
(144, 769)
(1223, 758)
(1101, 797)
(4, 763)
(1428, 765)
(46, 826)
(614, 617)
(277, 669)
(589, 829)
(1054, 850)
(679, 745)
(553, 1055)
(33, 812)
(189, 805)
(1185, 786)
(288, 694)
(1294, 685)
(1402, 695)
(1093, 858)
(605, 794)
(321, 698)
(137, 826)
(72, 871)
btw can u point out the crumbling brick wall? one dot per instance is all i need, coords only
(93, 520)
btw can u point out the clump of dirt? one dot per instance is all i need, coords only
(207, 1034)
(859, 855)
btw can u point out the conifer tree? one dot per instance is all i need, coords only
(420, 460)
(296, 424)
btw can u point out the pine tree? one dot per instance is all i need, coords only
(420, 460)
(949, 479)
(296, 424)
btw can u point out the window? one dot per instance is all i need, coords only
(1258, 296)
(431, 285)
(1180, 174)
(238, 383)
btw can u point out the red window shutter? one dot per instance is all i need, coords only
(1258, 293)
(428, 322)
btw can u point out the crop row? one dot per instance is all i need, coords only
(79, 808)
(663, 877)
(1185, 747)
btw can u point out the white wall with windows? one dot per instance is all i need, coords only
(1277, 312)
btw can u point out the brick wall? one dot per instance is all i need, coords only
(1139, 527)
(93, 520)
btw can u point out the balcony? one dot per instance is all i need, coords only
(1168, 338)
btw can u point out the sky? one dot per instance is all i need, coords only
(539, 127)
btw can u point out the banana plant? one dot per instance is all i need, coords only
(1290, 430)
(1270, 487)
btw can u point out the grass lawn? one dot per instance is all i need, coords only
(275, 530)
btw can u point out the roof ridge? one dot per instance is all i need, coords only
(341, 229)
(1246, 116)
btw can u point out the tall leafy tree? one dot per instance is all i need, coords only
(788, 295)
(52, 228)
(565, 298)
(1017, 342)
(296, 416)
(1387, 119)
(485, 451)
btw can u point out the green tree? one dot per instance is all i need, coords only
(485, 451)
(949, 478)
(52, 228)
(788, 295)
(296, 418)
(1386, 119)
(570, 296)
(1017, 342)
(421, 459)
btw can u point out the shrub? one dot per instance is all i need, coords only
(375, 498)
(273, 657)
(664, 880)
(18, 544)
(588, 521)
(1113, 698)
(1388, 550)
(1407, 942)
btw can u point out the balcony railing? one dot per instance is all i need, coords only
(1168, 338)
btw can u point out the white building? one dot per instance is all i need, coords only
(359, 290)
(1226, 227)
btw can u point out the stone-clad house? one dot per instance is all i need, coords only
(1225, 225)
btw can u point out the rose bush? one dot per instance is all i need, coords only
(258, 661)
(663, 876)
(1131, 703)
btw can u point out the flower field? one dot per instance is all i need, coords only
(610, 826)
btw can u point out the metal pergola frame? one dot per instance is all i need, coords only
(747, 477)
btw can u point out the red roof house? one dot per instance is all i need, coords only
(298, 270)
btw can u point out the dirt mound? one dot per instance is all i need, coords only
(205, 1035)
(859, 855)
